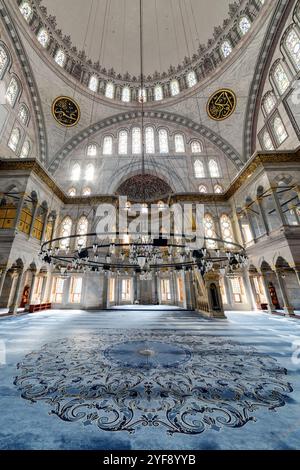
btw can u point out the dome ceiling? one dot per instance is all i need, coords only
(108, 30)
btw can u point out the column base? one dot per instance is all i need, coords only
(289, 312)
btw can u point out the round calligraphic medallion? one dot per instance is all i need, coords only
(66, 111)
(221, 104)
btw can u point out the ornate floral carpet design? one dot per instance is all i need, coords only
(126, 380)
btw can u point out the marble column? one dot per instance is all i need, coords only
(278, 207)
(263, 216)
(288, 309)
(296, 269)
(46, 215)
(34, 213)
(271, 307)
(30, 300)
(19, 210)
(156, 299)
(2, 279)
(249, 290)
(14, 305)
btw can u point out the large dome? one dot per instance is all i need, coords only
(108, 31)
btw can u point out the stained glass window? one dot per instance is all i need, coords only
(158, 93)
(89, 172)
(23, 114)
(202, 188)
(65, 231)
(76, 171)
(281, 79)
(60, 57)
(86, 191)
(199, 169)
(142, 95)
(136, 141)
(209, 231)
(12, 91)
(226, 228)
(109, 90)
(163, 141)
(244, 25)
(269, 102)
(107, 145)
(279, 130)
(25, 149)
(213, 169)
(4, 61)
(82, 229)
(93, 83)
(26, 10)
(126, 94)
(218, 189)
(92, 150)
(149, 140)
(72, 192)
(43, 37)
(226, 48)
(179, 143)
(174, 87)
(292, 44)
(196, 146)
(123, 143)
(14, 139)
(267, 141)
(191, 79)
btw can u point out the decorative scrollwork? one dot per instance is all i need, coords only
(66, 111)
(221, 104)
(126, 380)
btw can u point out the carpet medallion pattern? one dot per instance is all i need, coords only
(125, 380)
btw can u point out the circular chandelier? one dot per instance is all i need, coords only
(145, 254)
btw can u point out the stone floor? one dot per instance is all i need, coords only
(149, 378)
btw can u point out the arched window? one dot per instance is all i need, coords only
(202, 189)
(149, 140)
(43, 37)
(107, 145)
(23, 114)
(4, 61)
(191, 79)
(269, 102)
(65, 231)
(109, 90)
(280, 78)
(76, 172)
(25, 149)
(226, 228)
(72, 192)
(60, 57)
(89, 172)
(26, 10)
(93, 83)
(244, 25)
(179, 143)
(214, 169)
(218, 189)
(226, 48)
(196, 146)
(82, 229)
(92, 150)
(142, 95)
(174, 87)
(158, 93)
(12, 91)
(163, 141)
(123, 143)
(267, 141)
(210, 232)
(86, 191)
(14, 139)
(292, 44)
(199, 169)
(136, 141)
(279, 130)
(126, 95)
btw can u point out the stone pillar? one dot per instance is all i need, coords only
(30, 300)
(135, 293)
(2, 279)
(263, 216)
(278, 207)
(156, 280)
(46, 215)
(14, 305)
(19, 210)
(34, 212)
(251, 226)
(271, 307)
(249, 290)
(288, 309)
(296, 269)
